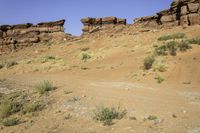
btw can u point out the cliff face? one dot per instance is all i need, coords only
(96, 24)
(14, 37)
(181, 12)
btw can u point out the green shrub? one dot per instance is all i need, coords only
(159, 79)
(162, 50)
(9, 64)
(148, 62)
(159, 67)
(172, 47)
(9, 107)
(152, 117)
(106, 114)
(10, 121)
(85, 57)
(173, 36)
(44, 87)
(184, 46)
(194, 41)
(32, 107)
(48, 58)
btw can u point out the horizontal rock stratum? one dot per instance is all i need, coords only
(181, 12)
(14, 37)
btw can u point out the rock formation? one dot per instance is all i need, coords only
(181, 12)
(96, 24)
(14, 37)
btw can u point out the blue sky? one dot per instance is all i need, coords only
(35, 11)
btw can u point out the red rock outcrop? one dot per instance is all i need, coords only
(181, 12)
(14, 37)
(96, 24)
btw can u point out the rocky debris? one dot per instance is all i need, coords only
(181, 12)
(100, 24)
(15, 37)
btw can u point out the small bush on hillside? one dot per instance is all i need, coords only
(172, 47)
(32, 107)
(9, 64)
(48, 58)
(10, 121)
(106, 114)
(173, 36)
(159, 79)
(44, 87)
(160, 68)
(85, 57)
(152, 117)
(184, 46)
(194, 41)
(162, 50)
(148, 62)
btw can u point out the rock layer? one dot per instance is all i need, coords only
(96, 24)
(181, 12)
(14, 37)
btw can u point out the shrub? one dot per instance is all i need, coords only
(194, 41)
(184, 46)
(85, 57)
(159, 79)
(173, 36)
(10, 64)
(162, 50)
(148, 62)
(152, 117)
(106, 115)
(33, 107)
(171, 47)
(10, 121)
(48, 58)
(8, 107)
(160, 68)
(44, 87)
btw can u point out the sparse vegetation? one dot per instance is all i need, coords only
(194, 41)
(172, 47)
(9, 64)
(148, 62)
(33, 107)
(152, 117)
(159, 67)
(48, 58)
(106, 114)
(10, 121)
(173, 36)
(159, 79)
(85, 56)
(184, 46)
(44, 87)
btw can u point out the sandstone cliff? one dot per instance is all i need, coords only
(181, 12)
(14, 37)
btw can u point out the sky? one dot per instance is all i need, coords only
(35, 11)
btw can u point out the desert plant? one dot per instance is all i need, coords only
(184, 46)
(159, 79)
(48, 58)
(44, 86)
(9, 107)
(162, 50)
(106, 114)
(148, 62)
(10, 121)
(194, 41)
(173, 36)
(172, 47)
(85, 57)
(33, 107)
(159, 67)
(9, 64)
(152, 117)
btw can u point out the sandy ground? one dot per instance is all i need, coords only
(111, 77)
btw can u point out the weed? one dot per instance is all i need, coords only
(159, 79)
(33, 107)
(148, 62)
(159, 67)
(106, 114)
(10, 122)
(173, 36)
(162, 50)
(172, 47)
(194, 41)
(44, 87)
(85, 57)
(48, 58)
(9, 64)
(152, 117)
(184, 46)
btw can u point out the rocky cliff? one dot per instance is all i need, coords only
(14, 37)
(181, 12)
(104, 24)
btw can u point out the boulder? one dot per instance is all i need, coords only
(193, 7)
(85, 28)
(5, 27)
(1, 34)
(168, 18)
(194, 19)
(22, 26)
(184, 20)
